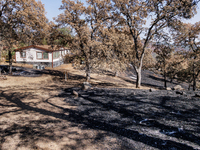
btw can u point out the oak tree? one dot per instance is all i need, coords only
(136, 13)
(21, 21)
(86, 22)
(187, 37)
(164, 53)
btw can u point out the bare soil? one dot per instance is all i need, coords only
(41, 113)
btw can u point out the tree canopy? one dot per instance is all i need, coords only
(102, 25)
(22, 21)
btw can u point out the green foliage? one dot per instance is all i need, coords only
(60, 36)
(44, 41)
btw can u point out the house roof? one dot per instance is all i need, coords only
(41, 47)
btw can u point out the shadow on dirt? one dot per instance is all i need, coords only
(127, 115)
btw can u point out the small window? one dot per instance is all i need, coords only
(39, 55)
(23, 54)
(45, 55)
(56, 55)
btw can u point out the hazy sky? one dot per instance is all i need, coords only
(52, 10)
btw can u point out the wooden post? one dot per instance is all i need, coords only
(66, 76)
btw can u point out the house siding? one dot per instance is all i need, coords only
(31, 57)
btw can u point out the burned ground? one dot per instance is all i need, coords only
(99, 118)
(49, 116)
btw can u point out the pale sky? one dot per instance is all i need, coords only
(52, 10)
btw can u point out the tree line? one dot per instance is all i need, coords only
(113, 34)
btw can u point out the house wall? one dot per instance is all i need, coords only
(31, 57)
(58, 61)
(65, 52)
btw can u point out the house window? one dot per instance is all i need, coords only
(23, 54)
(42, 55)
(56, 54)
(45, 55)
(39, 55)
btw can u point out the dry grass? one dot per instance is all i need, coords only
(97, 80)
(24, 81)
(34, 116)
(38, 113)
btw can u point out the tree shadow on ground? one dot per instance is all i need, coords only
(117, 112)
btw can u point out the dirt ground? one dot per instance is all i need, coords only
(75, 76)
(32, 114)
(41, 113)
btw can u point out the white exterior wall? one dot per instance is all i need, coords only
(31, 56)
(65, 52)
(59, 58)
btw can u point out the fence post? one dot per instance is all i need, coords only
(66, 76)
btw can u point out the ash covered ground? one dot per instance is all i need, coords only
(119, 118)
(151, 79)
(140, 119)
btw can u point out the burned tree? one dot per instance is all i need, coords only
(135, 13)
(21, 21)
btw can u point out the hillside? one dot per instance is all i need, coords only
(39, 111)
(107, 79)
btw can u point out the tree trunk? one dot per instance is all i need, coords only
(116, 74)
(189, 85)
(194, 84)
(87, 76)
(139, 77)
(87, 72)
(171, 80)
(10, 62)
(139, 72)
(194, 78)
(165, 80)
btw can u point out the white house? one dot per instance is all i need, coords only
(41, 55)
